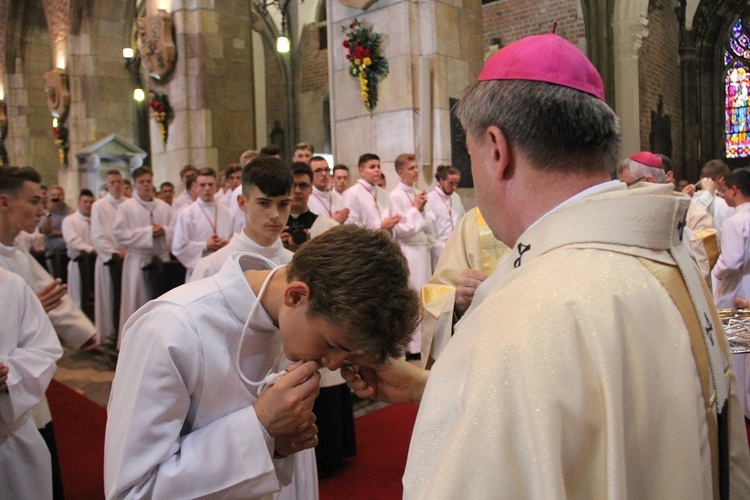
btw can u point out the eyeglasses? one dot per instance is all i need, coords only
(302, 185)
(639, 179)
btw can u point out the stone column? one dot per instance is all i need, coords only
(629, 35)
(446, 32)
(210, 89)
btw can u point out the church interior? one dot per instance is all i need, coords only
(87, 86)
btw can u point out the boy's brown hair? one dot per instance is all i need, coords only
(359, 281)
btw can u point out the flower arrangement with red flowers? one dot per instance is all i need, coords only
(365, 60)
(162, 111)
(60, 131)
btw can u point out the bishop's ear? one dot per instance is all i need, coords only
(295, 293)
(500, 151)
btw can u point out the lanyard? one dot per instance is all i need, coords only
(216, 217)
(449, 206)
(149, 210)
(374, 198)
(330, 203)
(411, 200)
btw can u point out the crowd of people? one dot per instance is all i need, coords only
(568, 330)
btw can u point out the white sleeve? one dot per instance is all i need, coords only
(31, 361)
(187, 250)
(72, 237)
(131, 236)
(151, 450)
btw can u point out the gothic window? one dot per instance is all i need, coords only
(737, 90)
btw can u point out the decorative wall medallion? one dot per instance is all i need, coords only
(357, 4)
(158, 51)
(58, 95)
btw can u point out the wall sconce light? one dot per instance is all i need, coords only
(138, 94)
(282, 44)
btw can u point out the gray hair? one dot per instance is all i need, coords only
(639, 170)
(557, 128)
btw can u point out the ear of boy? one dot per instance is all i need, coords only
(296, 293)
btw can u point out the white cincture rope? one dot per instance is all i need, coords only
(271, 377)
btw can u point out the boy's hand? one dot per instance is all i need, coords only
(389, 222)
(394, 382)
(305, 438)
(341, 215)
(3, 378)
(287, 405)
(51, 295)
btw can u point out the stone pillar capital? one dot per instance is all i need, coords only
(629, 35)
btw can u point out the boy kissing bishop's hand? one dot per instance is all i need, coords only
(286, 406)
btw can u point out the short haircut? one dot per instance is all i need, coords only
(299, 167)
(665, 162)
(85, 192)
(140, 172)
(270, 150)
(443, 171)
(304, 145)
(740, 179)
(340, 166)
(166, 184)
(114, 171)
(234, 167)
(127, 182)
(318, 158)
(12, 179)
(269, 174)
(558, 129)
(185, 169)
(715, 169)
(359, 281)
(401, 160)
(247, 156)
(189, 181)
(207, 171)
(367, 157)
(639, 170)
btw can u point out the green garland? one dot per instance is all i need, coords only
(365, 60)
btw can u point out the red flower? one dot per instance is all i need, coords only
(348, 56)
(367, 52)
(351, 26)
(346, 43)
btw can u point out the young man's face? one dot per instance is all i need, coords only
(206, 187)
(167, 194)
(321, 174)
(302, 155)
(306, 337)
(115, 185)
(84, 205)
(265, 216)
(409, 173)
(341, 180)
(235, 179)
(144, 187)
(370, 172)
(300, 193)
(450, 183)
(127, 190)
(24, 210)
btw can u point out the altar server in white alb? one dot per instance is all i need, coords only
(197, 410)
(415, 232)
(76, 230)
(369, 206)
(103, 214)
(711, 184)
(143, 226)
(234, 205)
(185, 198)
(445, 204)
(325, 201)
(233, 174)
(566, 374)
(265, 202)
(28, 351)
(202, 227)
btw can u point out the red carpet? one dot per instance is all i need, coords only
(79, 432)
(382, 444)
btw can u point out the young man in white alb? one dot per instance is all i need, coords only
(202, 227)
(265, 202)
(184, 198)
(76, 231)
(416, 230)
(340, 178)
(369, 206)
(143, 226)
(446, 205)
(323, 200)
(103, 214)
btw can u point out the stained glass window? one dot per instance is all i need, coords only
(737, 90)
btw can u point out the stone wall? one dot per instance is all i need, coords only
(275, 100)
(660, 75)
(510, 20)
(314, 88)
